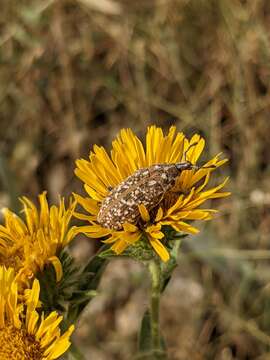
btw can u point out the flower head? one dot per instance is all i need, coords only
(137, 192)
(24, 334)
(28, 245)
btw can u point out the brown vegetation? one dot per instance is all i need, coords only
(73, 73)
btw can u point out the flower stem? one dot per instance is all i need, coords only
(155, 272)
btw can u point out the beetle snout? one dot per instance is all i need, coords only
(185, 166)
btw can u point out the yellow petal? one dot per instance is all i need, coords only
(88, 204)
(119, 246)
(184, 227)
(159, 215)
(130, 227)
(57, 267)
(160, 249)
(144, 213)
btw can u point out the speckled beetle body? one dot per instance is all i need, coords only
(146, 186)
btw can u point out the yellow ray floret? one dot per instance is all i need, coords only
(24, 334)
(28, 245)
(179, 206)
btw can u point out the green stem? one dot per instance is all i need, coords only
(155, 272)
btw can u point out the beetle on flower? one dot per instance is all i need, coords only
(136, 192)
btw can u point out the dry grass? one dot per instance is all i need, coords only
(74, 72)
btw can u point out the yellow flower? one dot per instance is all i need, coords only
(176, 208)
(24, 334)
(29, 245)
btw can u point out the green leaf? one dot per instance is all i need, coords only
(146, 351)
(74, 353)
(145, 338)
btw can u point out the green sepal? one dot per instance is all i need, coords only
(141, 251)
(87, 284)
(109, 254)
(56, 295)
(171, 234)
(74, 291)
(80, 297)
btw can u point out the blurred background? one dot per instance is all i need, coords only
(72, 73)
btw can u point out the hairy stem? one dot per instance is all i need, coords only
(155, 272)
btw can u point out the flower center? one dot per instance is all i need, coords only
(16, 344)
(13, 258)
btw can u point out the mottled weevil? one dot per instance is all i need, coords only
(145, 186)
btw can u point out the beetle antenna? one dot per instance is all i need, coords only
(195, 166)
(190, 146)
(203, 167)
(208, 167)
